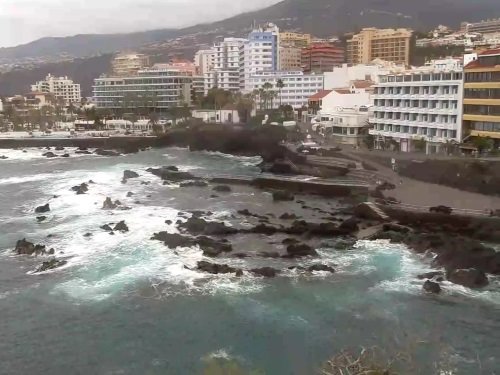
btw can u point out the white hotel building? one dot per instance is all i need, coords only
(298, 87)
(61, 87)
(423, 103)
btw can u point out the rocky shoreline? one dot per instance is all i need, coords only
(452, 243)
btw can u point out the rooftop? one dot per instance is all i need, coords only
(320, 94)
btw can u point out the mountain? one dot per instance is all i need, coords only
(319, 17)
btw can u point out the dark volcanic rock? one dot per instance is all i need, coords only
(50, 265)
(107, 228)
(264, 229)
(42, 209)
(321, 267)
(59, 148)
(41, 218)
(300, 250)
(24, 247)
(196, 183)
(283, 196)
(344, 244)
(49, 154)
(349, 226)
(289, 241)
(109, 205)
(169, 175)
(196, 225)
(129, 174)
(269, 254)
(432, 287)
(215, 268)
(471, 278)
(102, 152)
(130, 194)
(213, 248)
(121, 227)
(80, 189)
(222, 189)
(83, 152)
(287, 216)
(173, 240)
(430, 275)
(265, 272)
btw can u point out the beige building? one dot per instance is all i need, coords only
(385, 44)
(290, 58)
(61, 87)
(127, 64)
(295, 39)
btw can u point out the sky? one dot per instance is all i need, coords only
(22, 21)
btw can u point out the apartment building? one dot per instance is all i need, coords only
(151, 89)
(481, 112)
(181, 65)
(484, 27)
(128, 64)
(295, 39)
(298, 87)
(321, 57)
(227, 65)
(204, 61)
(261, 51)
(385, 44)
(290, 57)
(342, 76)
(422, 104)
(61, 87)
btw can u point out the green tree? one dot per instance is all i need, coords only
(287, 111)
(245, 106)
(420, 144)
(267, 87)
(280, 85)
(482, 144)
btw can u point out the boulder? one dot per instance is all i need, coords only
(222, 189)
(349, 226)
(269, 254)
(80, 189)
(173, 240)
(109, 205)
(196, 183)
(432, 287)
(65, 155)
(213, 248)
(88, 234)
(3, 157)
(287, 216)
(441, 210)
(24, 247)
(42, 209)
(102, 152)
(215, 268)
(59, 148)
(471, 278)
(196, 225)
(84, 152)
(264, 229)
(344, 244)
(49, 154)
(265, 272)
(41, 219)
(172, 168)
(130, 194)
(167, 174)
(168, 222)
(107, 228)
(289, 241)
(300, 250)
(50, 265)
(283, 196)
(129, 174)
(121, 227)
(430, 275)
(320, 268)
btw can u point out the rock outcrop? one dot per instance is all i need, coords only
(80, 189)
(50, 265)
(283, 196)
(471, 278)
(432, 287)
(42, 209)
(300, 250)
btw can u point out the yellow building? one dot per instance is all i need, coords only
(385, 44)
(128, 64)
(481, 113)
(290, 58)
(295, 39)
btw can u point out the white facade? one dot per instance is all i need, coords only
(298, 87)
(204, 61)
(345, 98)
(261, 51)
(344, 125)
(227, 65)
(62, 88)
(420, 104)
(219, 116)
(342, 76)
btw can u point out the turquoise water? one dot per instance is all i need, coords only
(127, 305)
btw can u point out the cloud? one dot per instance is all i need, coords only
(22, 21)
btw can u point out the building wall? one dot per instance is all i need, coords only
(481, 112)
(261, 51)
(420, 104)
(338, 100)
(484, 27)
(344, 125)
(290, 58)
(151, 88)
(128, 64)
(295, 39)
(386, 44)
(341, 76)
(321, 57)
(61, 87)
(204, 61)
(298, 86)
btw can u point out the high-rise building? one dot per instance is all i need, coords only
(261, 51)
(321, 57)
(482, 96)
(151, 89)
(127, 64)
(295, 39)
(419, 107)
(385, 44)
(290, 57)
(204, 61)
(61, 87)
(227, 65)
(484, 27)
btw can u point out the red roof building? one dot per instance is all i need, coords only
(321, 57)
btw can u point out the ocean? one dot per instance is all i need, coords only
(126, 304)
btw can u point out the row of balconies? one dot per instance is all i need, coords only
(409, 136)
(450, 96)
(421, 124)
(438, 111)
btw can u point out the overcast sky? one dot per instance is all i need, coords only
(22, 21)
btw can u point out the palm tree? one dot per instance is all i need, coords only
(262, 95)
(272, 95)
(280, 84)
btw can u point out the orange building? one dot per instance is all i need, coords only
(321, 57)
